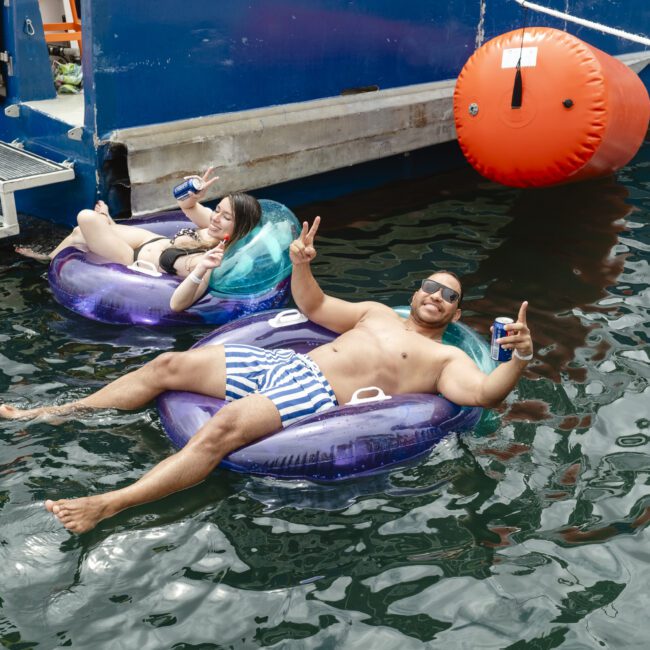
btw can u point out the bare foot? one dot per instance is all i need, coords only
(80, 515)
(51, 414)
(12, 413)
(25, 251)
(102, 208)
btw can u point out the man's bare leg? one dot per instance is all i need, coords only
(202, 370)
(237, 424)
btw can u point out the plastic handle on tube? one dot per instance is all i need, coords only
(379, 395)
(288, 317)
(148, 268)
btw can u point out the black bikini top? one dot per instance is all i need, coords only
(169, 256)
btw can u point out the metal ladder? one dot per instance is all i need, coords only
(20, 170)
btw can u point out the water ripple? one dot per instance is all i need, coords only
(532, 530)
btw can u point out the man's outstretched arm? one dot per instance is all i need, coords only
(333, 313)
(463, 383)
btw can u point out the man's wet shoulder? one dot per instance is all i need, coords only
(378, 311)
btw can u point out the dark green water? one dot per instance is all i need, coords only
(529, 534)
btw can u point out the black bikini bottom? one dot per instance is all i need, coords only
(136, 251)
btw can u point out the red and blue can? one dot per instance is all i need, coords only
(499, 331)
(188, 187)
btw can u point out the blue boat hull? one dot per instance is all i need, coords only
(150, 76)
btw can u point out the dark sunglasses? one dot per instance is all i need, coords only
(431, 286)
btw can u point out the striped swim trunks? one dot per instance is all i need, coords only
(292, 381)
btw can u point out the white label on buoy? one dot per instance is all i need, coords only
(510, 57)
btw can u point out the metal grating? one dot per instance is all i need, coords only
(21, 170)
(15, 163)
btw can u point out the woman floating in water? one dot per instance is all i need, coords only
(191, 253)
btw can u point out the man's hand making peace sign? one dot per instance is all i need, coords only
(302, 250)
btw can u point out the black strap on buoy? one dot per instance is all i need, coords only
(518, 87)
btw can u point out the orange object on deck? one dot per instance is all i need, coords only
(571, 113)
(65, 32)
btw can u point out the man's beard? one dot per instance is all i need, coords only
(441, 320)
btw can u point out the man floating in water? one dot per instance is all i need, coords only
(268, 389)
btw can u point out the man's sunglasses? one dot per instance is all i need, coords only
(431, 286)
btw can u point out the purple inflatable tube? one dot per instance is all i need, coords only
(366, 437)
(254, 276)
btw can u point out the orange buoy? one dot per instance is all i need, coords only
(568, 112)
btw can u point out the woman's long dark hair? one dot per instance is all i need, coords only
(247, 212)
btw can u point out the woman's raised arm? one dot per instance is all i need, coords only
(193, 210)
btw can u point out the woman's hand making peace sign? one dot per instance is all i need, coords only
(207, 181)
(302, 250)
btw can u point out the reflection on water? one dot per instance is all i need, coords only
(559, 247)
(529, 533)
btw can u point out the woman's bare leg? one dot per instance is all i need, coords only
(107, 240)
(75, 238)
(202, 370)
(235, 425)
(27, 251)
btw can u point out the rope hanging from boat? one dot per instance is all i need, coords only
(518, 87)
(585, 23)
